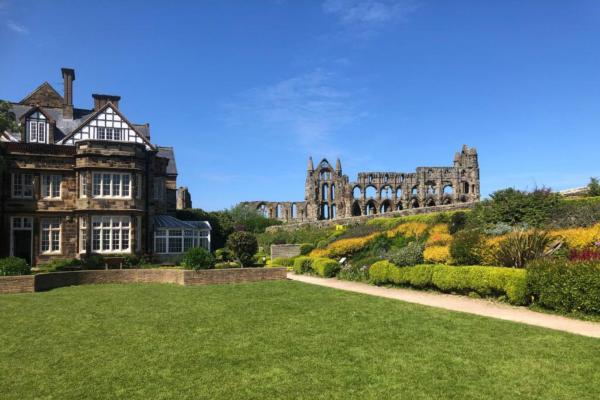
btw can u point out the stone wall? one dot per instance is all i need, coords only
(284, 250)
(48, 281)
(365, 218)
(17, 284)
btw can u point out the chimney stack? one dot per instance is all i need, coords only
(68, 78)
(101, 99)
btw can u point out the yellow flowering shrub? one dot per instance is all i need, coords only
(410, 229)
(437, 254)
(343, 247)
(578, 238)
(439, 235)
(489, 248)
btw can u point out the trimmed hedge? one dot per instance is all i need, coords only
(227, 264)
(302, 264)
(325, 267)
(282, 262)
(485, 281)
(565, 286)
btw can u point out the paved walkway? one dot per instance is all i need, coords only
(462, 304)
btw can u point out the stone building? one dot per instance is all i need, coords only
(329, 194)
(82, 181)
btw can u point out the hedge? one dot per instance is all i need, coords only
(325, 267)
(14, 266)
(302, 264)
(282, 262)
(565, 286)
(485, 281)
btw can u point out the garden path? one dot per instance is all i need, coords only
(464, 304)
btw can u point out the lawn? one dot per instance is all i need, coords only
(275, 340)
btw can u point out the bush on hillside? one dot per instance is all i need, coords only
(437, 254)
(593, 187)
(381, 272)
(244, 246)
(411, 254)
(521, 247)
(576, 213)
(354, 272)
(14, 266)
(325, 267)
(306, 248)
(465, 248)
(458, 221)
(565, 286)
(302, 265)
(197, 258)
(579, 238)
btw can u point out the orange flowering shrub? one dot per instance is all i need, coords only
(409, 229)
(343, 247)
(439, 235)
(489, 248)
(437, 254)
(578, 238)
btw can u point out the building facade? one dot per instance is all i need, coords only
(84, 181)
(329, 194)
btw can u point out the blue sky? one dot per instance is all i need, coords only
(246, 90)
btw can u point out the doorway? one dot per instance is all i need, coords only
(21, 238)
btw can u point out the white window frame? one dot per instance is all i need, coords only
(50, 185)
(109, 133)
(18, 186)
(50, 232)
(38, 130)
(189, 238)
(105, 182)
(104, 229)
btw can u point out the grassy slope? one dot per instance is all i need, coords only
(275, 340)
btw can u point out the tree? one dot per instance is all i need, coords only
(248, 219)
(593, 187)
(7, 123)
(244, 245)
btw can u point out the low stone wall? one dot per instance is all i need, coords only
(233, 275)
(284, 250)
(48, 281)
(17, 284)
(364, 218)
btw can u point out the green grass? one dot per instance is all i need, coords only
(275, 340)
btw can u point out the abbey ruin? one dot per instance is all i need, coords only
(329, 194)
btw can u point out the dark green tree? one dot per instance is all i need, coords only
(7, 123)
(244, 245)
(593, 187)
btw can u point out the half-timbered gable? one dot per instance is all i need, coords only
(107, 124)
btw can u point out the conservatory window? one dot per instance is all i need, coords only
(175, 241)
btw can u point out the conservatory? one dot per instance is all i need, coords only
(174, 237)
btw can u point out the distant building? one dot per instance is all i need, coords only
(184, 198)
(330, 195)
(83, 181)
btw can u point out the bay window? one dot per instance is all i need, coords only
(108, 184)
(110, 234)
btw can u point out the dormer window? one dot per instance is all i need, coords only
(37, 128)
(104, 133)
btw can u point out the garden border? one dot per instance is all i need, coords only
(52, 280)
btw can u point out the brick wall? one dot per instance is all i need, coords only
(233, 275)
(41, 282)
(284, 250)
(17, 284)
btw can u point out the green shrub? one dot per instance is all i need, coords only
(93, 261)
(354, 272)
(380, 244)
(418, 276)
(465, 247)
(521, 247)
(593, 187)
(325, 267)
(578, 212)
(14, 266)
(565, 286)
(411, 254)
(306, 248)
(198, 258)
(381, 272)
(227, 264)
(302, 264)
(282, 262)
(131, 261)
(244, 246)
(485, 281)
(223, 255)
(59, 265)
(458, 221)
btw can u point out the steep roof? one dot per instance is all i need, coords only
(168, 153)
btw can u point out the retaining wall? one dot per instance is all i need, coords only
(48, 281)
(364, 218)
(284, 250)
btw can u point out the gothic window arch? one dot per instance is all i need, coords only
(356, 192)
(370, 191)
(386, 192)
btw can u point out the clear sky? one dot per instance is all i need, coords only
(246, 90)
